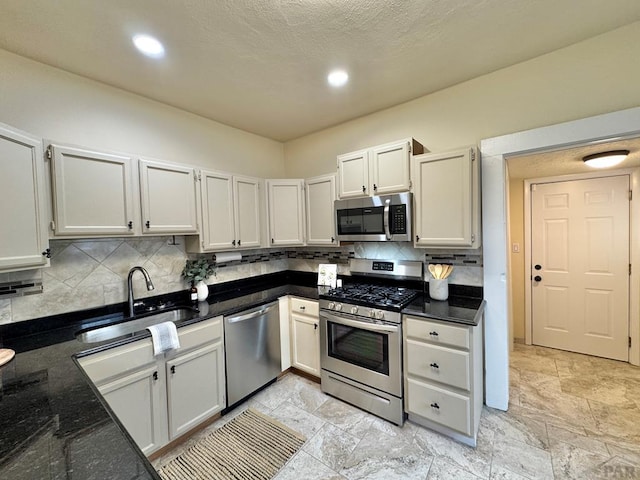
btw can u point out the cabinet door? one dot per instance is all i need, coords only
(246, 193)
(22, 216)
(195, 388)
(321, 224)
(217, 211)
(92, 192)
(286, 212)
(305, 343)
(353, 174)
(168, 197)
(390, 168)
(137, 401)
(444, 195)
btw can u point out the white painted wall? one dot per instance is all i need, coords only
(67, 108)
(595, 76)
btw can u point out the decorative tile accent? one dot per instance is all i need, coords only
(20, 288)
(461, 259)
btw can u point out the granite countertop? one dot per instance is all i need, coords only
(456, 309)
(54, 424)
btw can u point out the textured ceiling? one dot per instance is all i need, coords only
(261, 65)
(569, 161)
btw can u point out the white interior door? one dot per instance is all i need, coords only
(580, 266)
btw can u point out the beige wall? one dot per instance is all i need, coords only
(595, 76)
(67, 108)
(516, 235)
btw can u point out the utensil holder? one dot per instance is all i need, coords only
(439, 288)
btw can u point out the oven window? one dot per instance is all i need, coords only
(358, 346)
(353, 221)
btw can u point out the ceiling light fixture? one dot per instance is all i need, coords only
(605, 159)
(338, 78)
(148, 45)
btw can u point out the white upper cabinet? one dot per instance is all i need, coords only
(320, 193)
(286, 212)
(378, 170)
(22, 194)
(92, 192)
(168, 198)
(246, 196)
(353, 174)
(218, 224)
(230, 212)
(447, 199)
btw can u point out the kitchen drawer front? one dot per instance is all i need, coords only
(118, 361)
(436, 332)
(439, 405)
(200, 333)
(304, 307)
(440, 364)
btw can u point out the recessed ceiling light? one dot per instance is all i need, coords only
(338, 78)
(605, 159)
(148, 45)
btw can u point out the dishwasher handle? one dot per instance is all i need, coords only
(262, 310)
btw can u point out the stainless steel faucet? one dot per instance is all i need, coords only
(130, 286)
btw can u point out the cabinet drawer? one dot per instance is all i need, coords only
(119, 360)
(200, 333)
(439, 405)
(436, 332)
(305, 307)
(437, 363)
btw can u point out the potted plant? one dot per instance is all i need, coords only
(197, 271)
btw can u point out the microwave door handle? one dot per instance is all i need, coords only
(387, 232)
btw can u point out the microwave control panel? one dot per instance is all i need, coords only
(398, 219)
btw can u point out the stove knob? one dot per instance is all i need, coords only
(379, 314)
(354, 310)
(338, 306)
(372, 313)
(331, 305)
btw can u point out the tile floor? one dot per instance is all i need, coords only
(570, 417)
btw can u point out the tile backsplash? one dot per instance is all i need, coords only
(93, 273)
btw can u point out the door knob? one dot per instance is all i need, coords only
(538, 267)
(537, 278)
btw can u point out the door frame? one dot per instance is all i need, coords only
(634, 248)
(494, 152)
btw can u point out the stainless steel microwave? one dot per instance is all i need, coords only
(386, 218)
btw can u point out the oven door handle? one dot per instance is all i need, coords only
(374, 327)
(385, 219)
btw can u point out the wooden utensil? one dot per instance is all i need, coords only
(6, 355)
(447, 271)
(438, 269)
(432, 269)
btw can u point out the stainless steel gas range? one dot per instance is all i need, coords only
(361, 336)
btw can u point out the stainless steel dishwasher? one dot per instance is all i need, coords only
(252, 350)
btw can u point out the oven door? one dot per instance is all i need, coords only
(369, 353)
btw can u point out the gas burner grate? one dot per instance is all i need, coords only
(373, 295)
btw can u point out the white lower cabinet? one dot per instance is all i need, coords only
(443, 364)
(195, 388)
(138, 401)
(157, 399)
(305, 336)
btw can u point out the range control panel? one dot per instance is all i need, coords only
(382, 266)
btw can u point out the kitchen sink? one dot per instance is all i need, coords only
(134, 325)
